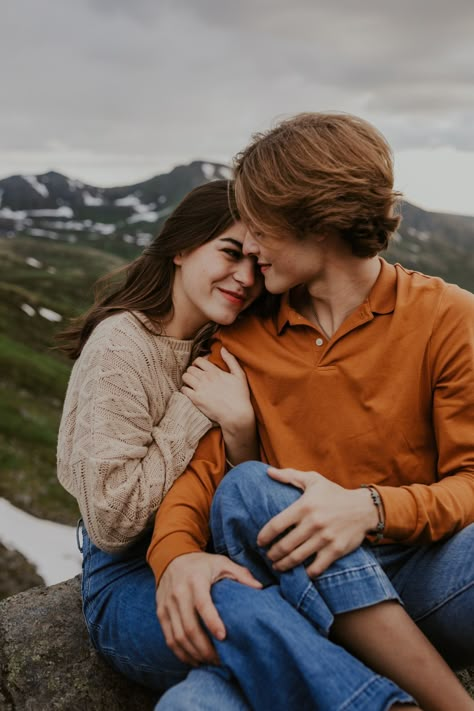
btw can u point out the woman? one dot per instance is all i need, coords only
(127, 432)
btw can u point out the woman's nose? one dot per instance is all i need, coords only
(245, 273)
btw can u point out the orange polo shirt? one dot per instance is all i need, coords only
(388, 400)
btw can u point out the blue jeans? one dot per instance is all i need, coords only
(435, 582)
(120, 612)
(119, 608)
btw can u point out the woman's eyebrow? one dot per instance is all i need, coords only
(235, 242)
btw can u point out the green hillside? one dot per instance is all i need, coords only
(33, 377)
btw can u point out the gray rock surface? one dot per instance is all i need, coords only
(48, 664)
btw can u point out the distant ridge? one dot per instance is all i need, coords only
(124, 219)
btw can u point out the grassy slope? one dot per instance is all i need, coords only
(33, 377)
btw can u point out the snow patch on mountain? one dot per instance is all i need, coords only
(17, 215)
(63, 211)
(128, 201)
(36, 185)
(90, 200)
(208, 170)
(225, 172)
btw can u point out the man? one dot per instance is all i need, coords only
(364, 378)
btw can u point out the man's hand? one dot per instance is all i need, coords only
(327, 520)
(183, 599)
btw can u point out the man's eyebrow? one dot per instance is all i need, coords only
(235, 242)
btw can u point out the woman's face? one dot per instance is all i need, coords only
(216, 281)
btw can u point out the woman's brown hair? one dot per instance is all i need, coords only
(146, 284)
(320, 173)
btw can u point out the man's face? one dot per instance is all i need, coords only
(285, 260)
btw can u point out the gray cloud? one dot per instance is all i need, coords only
(170, 80)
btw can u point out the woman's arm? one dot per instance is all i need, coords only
(220, 390)
(124, 438)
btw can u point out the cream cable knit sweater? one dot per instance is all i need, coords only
(126, 431)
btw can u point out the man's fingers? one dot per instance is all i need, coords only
(241, 575)
(172, 642)
(290, 542)
(297, 556)
(210, 617)
(291, 476)
(280, 523)
(325, 557)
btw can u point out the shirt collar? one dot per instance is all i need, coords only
(381, 299)
(383, 295)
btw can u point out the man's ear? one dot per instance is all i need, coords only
(178, 259)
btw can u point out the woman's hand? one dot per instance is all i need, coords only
(224, 397)
(327, 520)
(184, 604)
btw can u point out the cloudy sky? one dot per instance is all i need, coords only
(115, 91)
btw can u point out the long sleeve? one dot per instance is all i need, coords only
(182, 521)
(126, 432)
(419, 513)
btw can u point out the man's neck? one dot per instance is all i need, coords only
(333, 295)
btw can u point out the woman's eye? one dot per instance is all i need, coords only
(234, 253)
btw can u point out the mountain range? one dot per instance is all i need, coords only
(124, 219)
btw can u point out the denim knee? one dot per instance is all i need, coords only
(244, 481)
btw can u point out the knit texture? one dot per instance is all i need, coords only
(126, 431)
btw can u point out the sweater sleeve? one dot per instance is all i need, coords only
(182, 521)
(419, 513)
(124, 458)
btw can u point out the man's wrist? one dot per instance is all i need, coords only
(377, 531)
(370, 514)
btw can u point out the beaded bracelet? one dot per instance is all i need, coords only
(380, 527)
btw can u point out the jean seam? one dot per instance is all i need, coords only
(375, 680)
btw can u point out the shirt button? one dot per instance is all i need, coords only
(319, 341)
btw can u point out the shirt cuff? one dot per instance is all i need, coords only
(160, 555)
(401, 512)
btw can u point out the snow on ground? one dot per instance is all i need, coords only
(49, 315)
(35, 183)
(28, 310)
(32, 262)
(51, 547)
